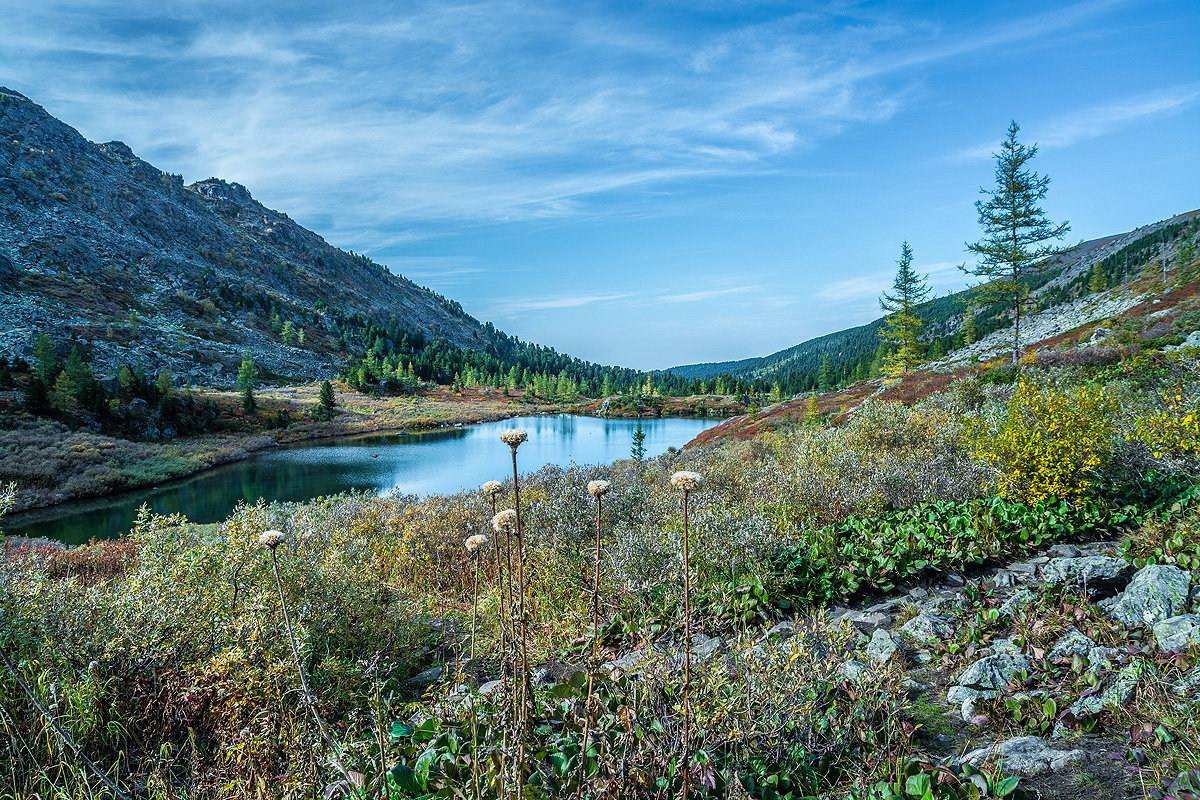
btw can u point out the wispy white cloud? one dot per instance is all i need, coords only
(467, 111)
(1099, 120)
(706, 294)
(508, 308)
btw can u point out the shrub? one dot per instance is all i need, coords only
(1049, 443)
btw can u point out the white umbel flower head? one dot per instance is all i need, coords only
(599, 488)
(475, 542)
(513, 437)
(686, 481)
(271, 539)
(506, 520)
(492, 488)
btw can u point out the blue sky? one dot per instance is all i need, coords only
(646, 184)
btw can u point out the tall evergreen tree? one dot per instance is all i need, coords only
(1017, 236)
(638, 450)
(825, 378)
(968, 330)
(903, 326)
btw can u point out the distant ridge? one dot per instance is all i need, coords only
(944, 316)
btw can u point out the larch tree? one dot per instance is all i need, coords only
(903, 326)
(1017, 236)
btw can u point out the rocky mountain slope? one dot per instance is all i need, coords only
(1060, 299)
(139, 268)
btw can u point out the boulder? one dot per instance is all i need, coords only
(1099, 576)
(882, 646)
(1025, 755)
(1071, 643)
(1179, 632)
(985, 679)
(855, 670)
(429, 676)
(1157, 592)
(926, 627)
(1019, 600)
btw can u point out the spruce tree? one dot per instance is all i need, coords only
(1017, 236)
(638, 450)
(327, 405)
(825, 378)
(903, 326)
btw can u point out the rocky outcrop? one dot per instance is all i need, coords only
(1099, 576)
(1025, 755)
(1156, 593)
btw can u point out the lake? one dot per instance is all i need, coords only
(441, 461)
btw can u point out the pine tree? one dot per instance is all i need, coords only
(288, 334)
(1016, 233)
(903, 326)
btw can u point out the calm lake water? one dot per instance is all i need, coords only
(435, 462)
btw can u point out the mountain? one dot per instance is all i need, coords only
(1061, 283)
(138, 268)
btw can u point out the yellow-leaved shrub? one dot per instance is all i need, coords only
(1049, 443)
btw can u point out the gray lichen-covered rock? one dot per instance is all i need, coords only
(1099, 576)
(1072, 642)
(855, 670)
(985, 679)
(1116, 693)
(1178, 632)
(1025, 755)
(926, 627)
(1156, 593)
(882, 646)
(1019, 600)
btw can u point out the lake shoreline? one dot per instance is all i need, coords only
(32, 517)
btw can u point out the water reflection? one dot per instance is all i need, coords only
(441, 461)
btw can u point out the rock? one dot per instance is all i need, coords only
(882, 646)
(706, 651)
(627, 664)
(428, 677)
(986, 678)
(869, 619)
(491, 687)
(954, 579)
(1070, 643)
(1157, 592)
(918, 593)
(1025, 755)
(1099, 576)
(1003, 578)
(1064, 551)
(1117, 693)
(1004, 646)
(1189, 685)
(926, 627)
(855, 670)
(1019, 600)
(1176, 633)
